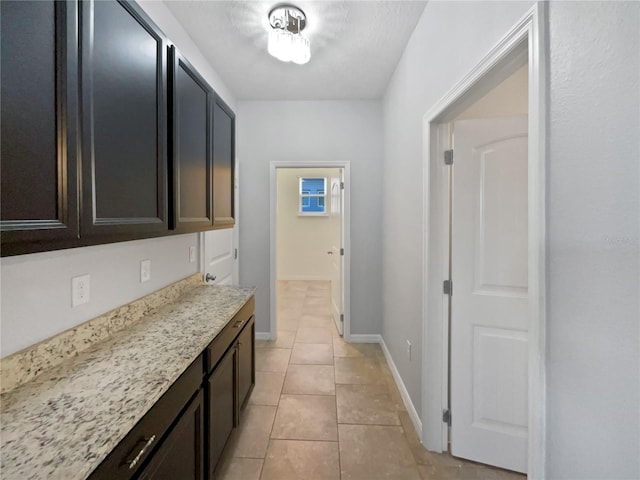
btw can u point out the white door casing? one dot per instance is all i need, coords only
(489, 324)
(337, 263)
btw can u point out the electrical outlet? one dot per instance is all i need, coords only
(192, 254)
(80, 290)
(145, 271)
(409, 350)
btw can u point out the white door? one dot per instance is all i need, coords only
(337, 259)
(221, 249)
(489, 326)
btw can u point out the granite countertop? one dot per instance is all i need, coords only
(65, 422)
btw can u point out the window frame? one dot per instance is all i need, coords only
(305, 195)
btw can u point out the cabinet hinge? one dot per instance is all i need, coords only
(446, 416)
(447, 287)
(342, 251)
(448, 157)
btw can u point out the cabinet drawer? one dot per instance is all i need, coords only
(125, 460)
(225, 338)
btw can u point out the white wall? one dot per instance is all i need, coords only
(313, 131)
(593, 215)
(593, 369)
(303, 241)
(36, 289)
(427, 70)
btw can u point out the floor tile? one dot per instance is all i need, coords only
(267, 389)
(300, 460)
(344, 349)
(309, 380)
(365, 405)
(285, 340)
(252, 438)
(312, 354)
(288, 323)
(358, 371)
(306, 417)
(240, 469)
(272, 359)
(314, 335)
(316, 321)
(371, 451)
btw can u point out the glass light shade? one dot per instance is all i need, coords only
(302, 50)
(289, 47)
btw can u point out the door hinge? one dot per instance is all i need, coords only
(342, 251)
(235, 253)
(341, 185)
(342, 317)
(446, 416)
(448, 157)
(447, 287)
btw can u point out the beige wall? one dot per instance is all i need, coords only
(303, 241)
(508, 99)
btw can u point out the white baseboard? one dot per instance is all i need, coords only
(413, 413)
(263, 336)
(355, 338)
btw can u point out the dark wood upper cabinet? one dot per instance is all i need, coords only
(39, 117)
(224, 141)
(124, 122)
(190, 144)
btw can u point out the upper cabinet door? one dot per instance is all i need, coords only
(224, 141)
(38, 98)
(124, 145)
(191, 149)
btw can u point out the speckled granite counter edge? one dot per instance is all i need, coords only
(25, 365)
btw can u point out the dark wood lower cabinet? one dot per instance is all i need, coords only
(185, 433)
(181, 454)
(222, 406)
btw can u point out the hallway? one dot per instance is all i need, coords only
(326, 409)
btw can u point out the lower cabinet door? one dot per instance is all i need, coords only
(246, 366)
(182, 452)
(222, 406)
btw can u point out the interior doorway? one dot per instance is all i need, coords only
(483, 377)
(310, 234)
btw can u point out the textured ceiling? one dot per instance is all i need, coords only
(355, 46)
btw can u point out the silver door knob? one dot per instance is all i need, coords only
(210, 278)
(329, 253)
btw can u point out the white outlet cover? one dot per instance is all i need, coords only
(80, 290)
(145, 271)
(192, 254)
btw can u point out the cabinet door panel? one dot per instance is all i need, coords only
(222, 406)
(223, 164)
(124, 118)
(246, 364)
(38, 99)
(191, 150)
(181, 454)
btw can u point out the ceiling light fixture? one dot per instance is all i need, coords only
(286, 42)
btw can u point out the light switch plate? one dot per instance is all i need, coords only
(145, 271)
(80, 290)
(192, 254)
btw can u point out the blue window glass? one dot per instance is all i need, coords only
(312, 196)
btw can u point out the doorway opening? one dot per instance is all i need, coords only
(484, 298)
(309, 243)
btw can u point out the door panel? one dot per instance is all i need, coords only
(337, 260)
(489, 326)
(220, 256)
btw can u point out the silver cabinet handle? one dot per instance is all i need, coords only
(137, 458)
(210, 278)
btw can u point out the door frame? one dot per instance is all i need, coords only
(346, 234)
(525, 42)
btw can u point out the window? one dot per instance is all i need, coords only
(312, 196)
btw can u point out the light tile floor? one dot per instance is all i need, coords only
(323, 409)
